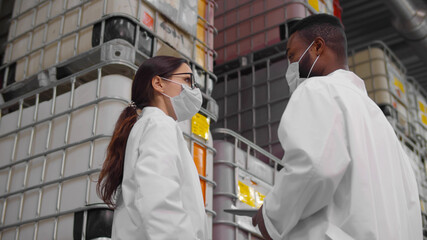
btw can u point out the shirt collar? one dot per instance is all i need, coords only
(350, 78)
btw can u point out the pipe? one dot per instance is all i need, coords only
(411, 23)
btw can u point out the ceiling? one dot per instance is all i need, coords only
(369, 20)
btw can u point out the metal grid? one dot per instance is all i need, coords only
(232, 166)
(385, 80)
(377, 65)
(208, 178)
(417, 156)
(252, 25)
(252, 99)
(206, 77)
(44, 186)
(43, 87)
(42, 171)
(416, 100)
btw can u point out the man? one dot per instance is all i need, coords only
(346, 175)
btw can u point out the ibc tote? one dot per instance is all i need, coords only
(248, 26)
(67, 74)
(417, 107)
(243, 180)
(385, 80)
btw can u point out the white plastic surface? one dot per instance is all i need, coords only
(385, 82)
(74, 160)
(72, 193)
(50, 23)
(376, 68)
(258, 177)
(186, 128)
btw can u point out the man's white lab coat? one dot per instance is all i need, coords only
(161, 197)
(346, 175)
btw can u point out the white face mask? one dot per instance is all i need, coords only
(292, 74)
(187, 103)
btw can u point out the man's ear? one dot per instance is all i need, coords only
(319, 45)
(157, 84)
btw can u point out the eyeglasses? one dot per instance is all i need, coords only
(190, 80)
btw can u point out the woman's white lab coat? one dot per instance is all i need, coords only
(346, 175)
(160, 196)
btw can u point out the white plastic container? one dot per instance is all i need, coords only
(245, 27)
(415, 153)
(242, 182)
(384, 77)
(54, 157)
(43, 35)
(57, 151)
(202, 151)
(417, 106)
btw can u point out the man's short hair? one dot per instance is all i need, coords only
(325, 26)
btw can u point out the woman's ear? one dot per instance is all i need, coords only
(157, 84)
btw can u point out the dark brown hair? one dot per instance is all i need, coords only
(111, 175)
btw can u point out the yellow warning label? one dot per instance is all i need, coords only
(200, 126)
(424, 119)
(422, 206)
(259, 199)
(421, 106)
(399, 85)
(314, 4)
(246, 194)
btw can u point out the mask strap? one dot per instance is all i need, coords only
(171, 81)
(166, 95)
(182, 85)
(305, 51)
(312, 66)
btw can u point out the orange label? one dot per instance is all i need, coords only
(199, 156)
(148, 20)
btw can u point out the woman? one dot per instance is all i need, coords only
(149, 175)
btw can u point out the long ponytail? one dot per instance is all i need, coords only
(111, 175)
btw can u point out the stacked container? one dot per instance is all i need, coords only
(416, 155)
(417, 107)
(385, 81)
(66, 76)
(248, 26)
(45, 34)
(402, 101)
(251, 91)
(418, 117)
(252, 98)
(200, 143)
(242, 182)
(53, 146)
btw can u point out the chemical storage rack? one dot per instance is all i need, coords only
(56, 120)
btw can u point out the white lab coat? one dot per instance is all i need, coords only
(160, 196)
(346, 175)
